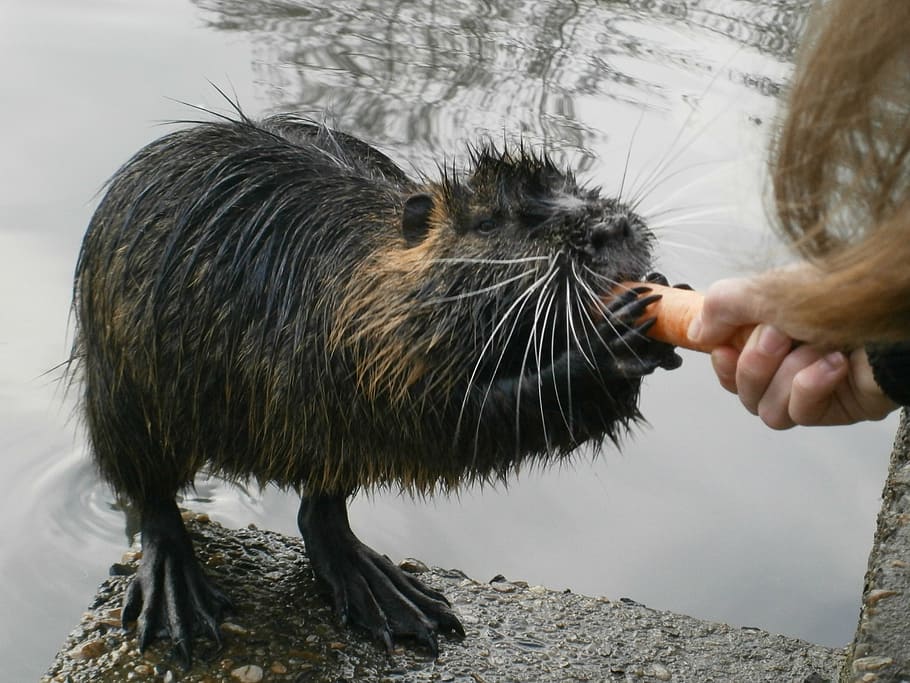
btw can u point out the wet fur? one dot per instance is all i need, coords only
(246, 303)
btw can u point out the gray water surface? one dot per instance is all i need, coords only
(704, 511)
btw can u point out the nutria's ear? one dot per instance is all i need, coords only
(416, 219)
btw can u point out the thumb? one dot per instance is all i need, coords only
(729, 305)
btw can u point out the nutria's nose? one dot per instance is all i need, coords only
(602, 234)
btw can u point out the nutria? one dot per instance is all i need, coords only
(279, 301)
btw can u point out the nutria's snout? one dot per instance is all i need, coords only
(594, 239)
(602, 234)
(609, 238)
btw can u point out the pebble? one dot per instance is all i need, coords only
(248, 674)
(873, 596)
(871, 663)
(661, 673)
(110, 618)
(88, 650)
(278, 668)
(131, 556)
(412, 566)
(229, 627)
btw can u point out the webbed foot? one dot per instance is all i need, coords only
(368, 590)
(170, 595)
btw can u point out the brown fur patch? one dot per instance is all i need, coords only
(377, 313)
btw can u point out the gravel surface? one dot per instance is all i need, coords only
(284, 630)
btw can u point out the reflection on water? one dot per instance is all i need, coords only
(704, 512)
(416, 74)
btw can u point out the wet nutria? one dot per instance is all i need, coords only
(279, 301)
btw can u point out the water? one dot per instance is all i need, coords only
(704, 512)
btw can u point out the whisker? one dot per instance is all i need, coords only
(578, 344)
(691, 248)
(517, 305)
(524, 360)
(538, 352)
(670, 156)
(625, 169)
(599, 305)
(683, 228)
(687, 212)
(522, 300)
(568, 312)
(477, 292)
(702, 178)
(562, 411)
(612, 283)
(492, 262)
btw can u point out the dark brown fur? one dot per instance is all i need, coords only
(311, 354)
(278, 301)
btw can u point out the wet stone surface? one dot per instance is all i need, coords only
(284, 630)
(881, 651)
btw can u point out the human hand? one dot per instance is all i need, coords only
(783, 382)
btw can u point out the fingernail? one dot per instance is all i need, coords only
(695, 328)
(771, 341)
(834, 361)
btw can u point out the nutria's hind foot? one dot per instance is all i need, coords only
(170, 595)
(369, 591)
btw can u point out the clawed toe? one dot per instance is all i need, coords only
(370, 592)
(389, 604)
(170, 596)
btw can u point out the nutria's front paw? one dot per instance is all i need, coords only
(657, 278)
(622, 347)
(660, 279)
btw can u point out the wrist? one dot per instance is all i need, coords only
(890, 365)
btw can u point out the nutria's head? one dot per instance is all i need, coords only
(514, 204)
(510, 255)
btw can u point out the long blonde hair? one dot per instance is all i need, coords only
(841, 175)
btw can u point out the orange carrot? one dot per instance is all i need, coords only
(674, 311)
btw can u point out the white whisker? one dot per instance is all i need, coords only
(515, 309)
(477, 292)
(491, 262)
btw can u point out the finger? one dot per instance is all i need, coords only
(728, 305)
(759, 361)
(723, 360)
(813, 399)
(775, 404)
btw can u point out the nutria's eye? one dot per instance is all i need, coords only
(415, 221)
(485, 226)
